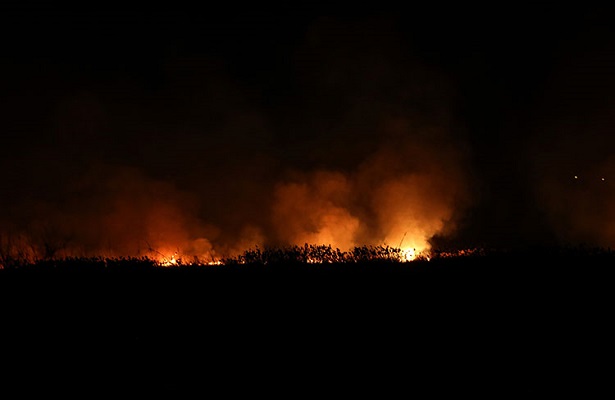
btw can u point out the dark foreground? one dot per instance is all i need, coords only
(527, 323)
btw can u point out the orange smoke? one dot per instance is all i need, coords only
(368, 130)
(316, 212)
(409, 190)
(115, 212)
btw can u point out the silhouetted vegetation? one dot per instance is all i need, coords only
(433, 324)
(318, 254)
(309, 255)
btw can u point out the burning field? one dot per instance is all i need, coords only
(347, 133)
(421, 199)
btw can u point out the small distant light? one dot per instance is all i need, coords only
(602, 179)
(576, 177)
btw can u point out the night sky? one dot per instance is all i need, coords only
(211, 130)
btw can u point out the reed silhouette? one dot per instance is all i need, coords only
(489, 322)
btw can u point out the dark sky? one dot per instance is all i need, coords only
(218, 111)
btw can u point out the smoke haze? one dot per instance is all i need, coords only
(216, 137)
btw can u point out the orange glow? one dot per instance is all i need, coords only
(170, 262)
(405, 191)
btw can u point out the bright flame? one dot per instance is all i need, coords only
(168, 262)
(408, 254)
(176, 260)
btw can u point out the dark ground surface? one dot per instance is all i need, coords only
(514, 324)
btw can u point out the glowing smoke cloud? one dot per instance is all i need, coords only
(362, 153)
(404, 194)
